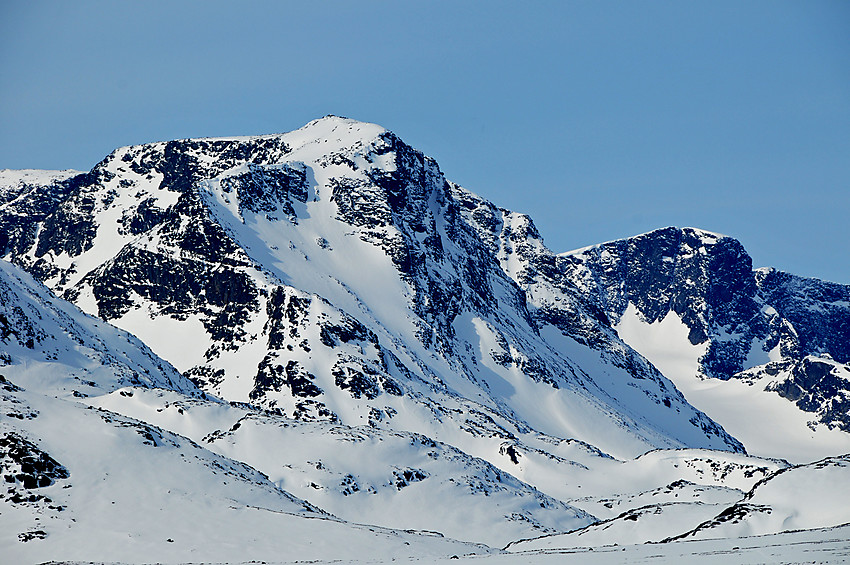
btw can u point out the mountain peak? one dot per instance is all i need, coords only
(656, 234)
(335, 130)
(704, 234)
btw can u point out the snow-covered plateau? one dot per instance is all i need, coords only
(312, 346)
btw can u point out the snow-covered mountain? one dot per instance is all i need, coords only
(334, 274)
(765, 353)
(351, 338)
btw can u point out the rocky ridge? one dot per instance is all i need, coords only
(753, 323)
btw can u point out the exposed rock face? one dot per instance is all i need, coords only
(745, 317)
(25, 469)
(818, 311)
(817, 385)
(24, 465)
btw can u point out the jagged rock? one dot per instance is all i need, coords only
(741, 314)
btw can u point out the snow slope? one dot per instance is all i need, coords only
(363, 474)
(767, 424)
(128, 488)
(803, 497)
(48, 343)
(123, 490)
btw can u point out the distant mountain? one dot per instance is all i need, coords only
(690, 301)
(327, 331)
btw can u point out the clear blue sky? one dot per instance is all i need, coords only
(599, 119)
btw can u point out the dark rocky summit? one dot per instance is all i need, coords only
(708, 281)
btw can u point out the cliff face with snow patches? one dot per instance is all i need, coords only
(784, 336)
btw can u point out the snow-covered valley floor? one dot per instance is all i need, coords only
(828, 545)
